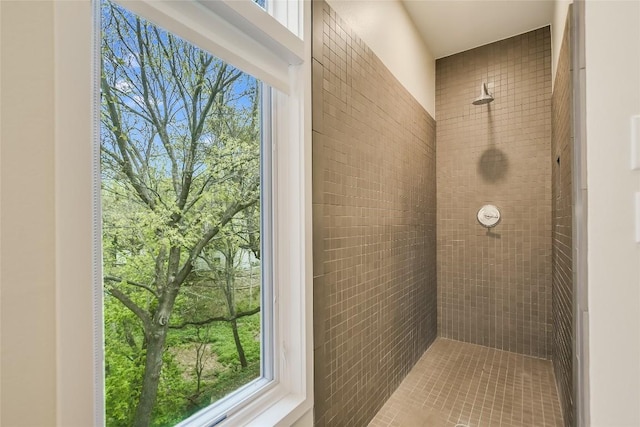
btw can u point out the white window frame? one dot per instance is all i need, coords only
(257, 43)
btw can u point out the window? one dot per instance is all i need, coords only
(237, 40)
(183, 236)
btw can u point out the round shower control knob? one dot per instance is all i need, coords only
(489, 216)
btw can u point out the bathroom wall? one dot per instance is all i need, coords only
(494, 286)
(27, 208)
(610, 68)
(388, 30)
(374, 217)
(560, 11)
(562, 218)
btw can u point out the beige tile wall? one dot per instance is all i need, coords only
(494, 288)
(374, 209)
(562, 214)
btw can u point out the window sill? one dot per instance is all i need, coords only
(260, 403)
(275, 407)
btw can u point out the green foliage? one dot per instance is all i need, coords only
(171, 404)
(227, 375)
(232, 380)
(124, 359)
(123, 367)
(249, 329)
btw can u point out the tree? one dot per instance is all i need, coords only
(180, 159)
(229, 246)
(202, 355)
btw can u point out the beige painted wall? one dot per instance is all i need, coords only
(0, 213)
(559, 19)
(27, 257)
(45, 122)
(387, 29)
(613, 96)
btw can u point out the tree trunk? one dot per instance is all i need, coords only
(153, 365)
(229, 293)
(156, 336)
(236, 338)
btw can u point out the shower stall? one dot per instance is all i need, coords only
(440, 269)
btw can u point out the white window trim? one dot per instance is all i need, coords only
(79, 369)
(236, 31)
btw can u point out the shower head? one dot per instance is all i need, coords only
(485, 97)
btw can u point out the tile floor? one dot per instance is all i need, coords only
(456, 383)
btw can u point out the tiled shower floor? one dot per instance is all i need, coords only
(456, 383)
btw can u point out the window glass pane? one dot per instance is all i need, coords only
(181, 212)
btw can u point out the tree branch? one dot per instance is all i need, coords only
(197, 249)
(216, 319)
(127, 302)
(129, 282)
(197, 126)
(198, 194)
(122, 142)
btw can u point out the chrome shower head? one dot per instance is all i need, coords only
(485, 97)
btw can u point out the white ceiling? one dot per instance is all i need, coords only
(452, 26)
